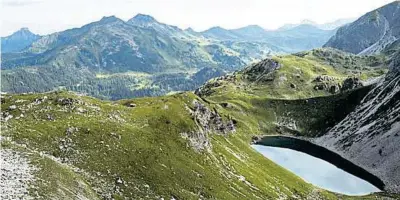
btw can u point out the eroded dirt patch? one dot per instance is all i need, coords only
(16, 174)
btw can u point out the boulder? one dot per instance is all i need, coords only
(132, 105)
(334, 89)
(351, 83)
(12, 107)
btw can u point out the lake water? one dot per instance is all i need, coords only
(317, 172)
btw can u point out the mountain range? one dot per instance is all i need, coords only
(251, 32)
(326, 26)
(297, 38)
(111, 53)
(113, 59)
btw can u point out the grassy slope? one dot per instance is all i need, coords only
(53, 180)
(151, 157)
(143, 145)
(300, 70)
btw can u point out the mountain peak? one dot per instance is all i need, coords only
(254, 27)
(190, 30)
(109, 19)
(23, 31)
(143, 18)
(18, 41)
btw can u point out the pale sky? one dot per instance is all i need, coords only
(48, 16)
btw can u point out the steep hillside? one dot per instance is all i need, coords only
(177, 146)
(370, 135)
(18, 41)
(371, 33)
(359, 124)
(185, 146)
(166, 147)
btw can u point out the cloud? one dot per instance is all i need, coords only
(18, 3)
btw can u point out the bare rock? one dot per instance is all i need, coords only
(132, 105)
(12, 107)
(66, 101)
(71, 130)
(324, 78)
(334, 89)
(351, 83)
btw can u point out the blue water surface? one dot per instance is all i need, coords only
(317, 172)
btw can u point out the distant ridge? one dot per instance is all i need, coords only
(371, 33)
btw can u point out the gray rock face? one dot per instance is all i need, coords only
(208, 121)
(351, 83)
(371, 33)
(324, 78)
(370, 135)
(257, 72)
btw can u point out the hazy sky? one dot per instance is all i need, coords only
(47, 16)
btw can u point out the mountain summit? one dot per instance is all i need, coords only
(18, 40)
(144, 18)
(147, 21)
(109, 19)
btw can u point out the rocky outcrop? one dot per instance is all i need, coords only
(258, 72)
(207, 88)
(327, 83)
(351, 83)
(333, 86)
(370, 135)
(208, 121)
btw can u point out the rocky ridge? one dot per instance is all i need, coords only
(371, 33)
(369, 135)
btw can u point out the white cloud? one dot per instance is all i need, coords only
(8, 3)
(46, 16)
